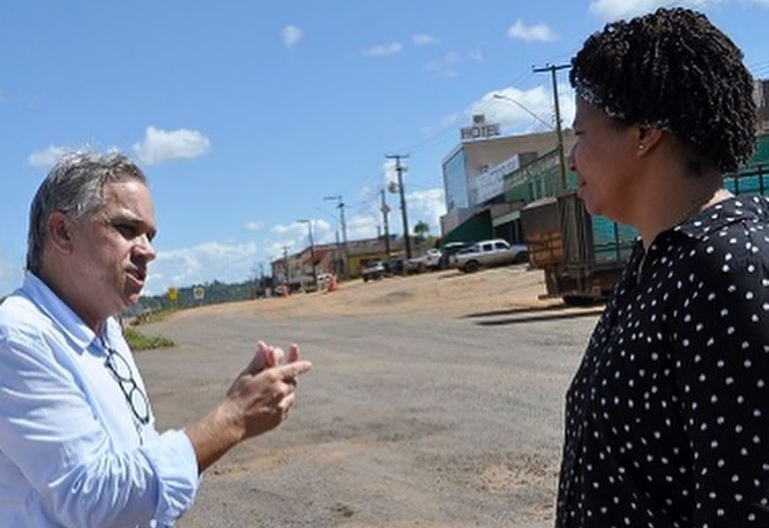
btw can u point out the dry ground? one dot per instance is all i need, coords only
(435, 401)
(443, 293)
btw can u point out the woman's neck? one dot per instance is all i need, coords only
(673, 204)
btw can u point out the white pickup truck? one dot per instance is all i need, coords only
(487, 253)
(429, 261)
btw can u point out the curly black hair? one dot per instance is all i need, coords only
(672, 69)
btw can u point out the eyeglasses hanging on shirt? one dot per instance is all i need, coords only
(134, 395)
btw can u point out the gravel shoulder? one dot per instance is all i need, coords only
(436, 294)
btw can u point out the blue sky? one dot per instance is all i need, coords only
(246, 115)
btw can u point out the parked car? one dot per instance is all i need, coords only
(373, 271)
(430, 260)
(395, 266)
(323, 280)
(487, 253)
(448, 251)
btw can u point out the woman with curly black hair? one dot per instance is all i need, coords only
(667, 418)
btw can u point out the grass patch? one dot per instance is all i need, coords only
(151, 316)
(138, 341)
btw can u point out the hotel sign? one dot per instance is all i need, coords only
(480, 129)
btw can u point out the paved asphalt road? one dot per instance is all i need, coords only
(403, 422)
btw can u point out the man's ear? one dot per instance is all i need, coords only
(59, 232)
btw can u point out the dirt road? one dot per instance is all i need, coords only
(435, 401)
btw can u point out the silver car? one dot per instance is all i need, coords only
(487, 253)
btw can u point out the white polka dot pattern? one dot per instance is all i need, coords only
(667, 418)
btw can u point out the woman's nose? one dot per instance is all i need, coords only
(572, 161)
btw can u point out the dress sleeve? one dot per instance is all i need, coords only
(50, 432)
(719, 322)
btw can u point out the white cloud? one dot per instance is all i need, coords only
(326, 232)
(164, 145)
(426, 206)
(536, 33)
(475, 55)
(389, 174)
(364, 226)
(204, 263)
(454, 120)
(296, 235)
(253, 226)
(617, 9)
(422, 205)
(446, 66)
(284, 230)
(383, 50)
(47, 158)
(525, 111)
(237, 262)
(424, 39)
(291, 36)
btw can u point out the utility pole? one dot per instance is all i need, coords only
(385, 213)
(399, 169)
(312, 252)
(338, 256)
(340, 206)
(561, 156)
(286, 275)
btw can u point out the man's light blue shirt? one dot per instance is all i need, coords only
(71, 452)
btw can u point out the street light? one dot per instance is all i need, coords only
(559, 133)
(532, 114)
(312, 251)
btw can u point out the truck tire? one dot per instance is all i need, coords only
(579, 300)
(521, 257)
(471, 266)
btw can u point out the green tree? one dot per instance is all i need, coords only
(421, 230)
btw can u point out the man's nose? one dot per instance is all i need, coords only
(145, 248)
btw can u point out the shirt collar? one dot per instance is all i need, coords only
(734, 209)
(58, 311)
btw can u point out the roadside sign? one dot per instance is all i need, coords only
(198, 293)
(173, 294)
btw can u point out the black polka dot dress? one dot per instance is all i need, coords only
(667, 418)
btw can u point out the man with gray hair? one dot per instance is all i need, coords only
(78, 444)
